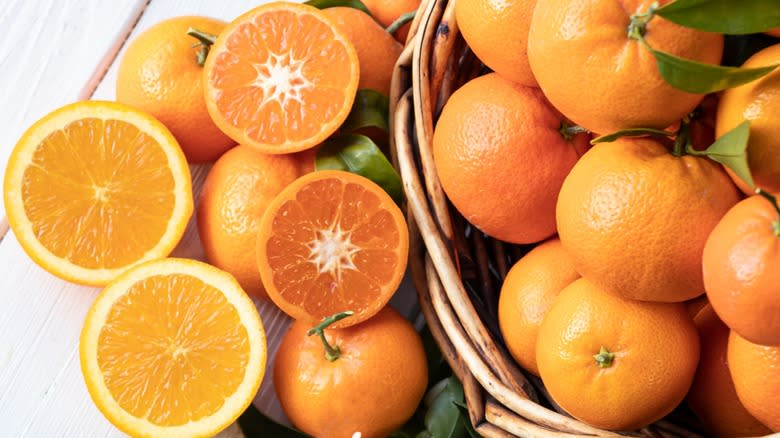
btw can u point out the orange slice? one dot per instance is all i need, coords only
(94, 188)
(281, 78)
(332, 241)
(173, 347)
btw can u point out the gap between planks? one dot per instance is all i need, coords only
(100, 72)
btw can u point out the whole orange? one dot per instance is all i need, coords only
(602, 79)
(376, 49)
(758, 102)
(712, 396)
(634, 218)
(484, 23)
(741, 267)
(234, 196)
(159, 74)
(527, 293)
(754, 369)
(387, 11)
(614, 363)
(501, 157)
(372, 387)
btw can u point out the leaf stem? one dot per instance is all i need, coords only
(604, 358)
(400, 21)
(332, 352)
(205, 40)
(638, 25)
(773, 200)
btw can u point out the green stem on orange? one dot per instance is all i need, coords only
(569, 131)
(400, 21)
(773, 200)
(332, 352)
(604, 358)
(638, 25)
(205, 40)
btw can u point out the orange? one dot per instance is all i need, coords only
(758, 102)
(712, 396)
(376, 49)
(527, 293)
(774, 32)
(634, 218)
(387, 11)
(174, 348)
(332, 241)
(754, 369)
(599, 77)
(741, 266)
(497, 32)
(614, 363)
(235, 194)
(94, 188)
(159, 73)
(372, 387)
(501, 157)
(281, 77)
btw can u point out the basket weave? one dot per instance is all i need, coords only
(458, 270)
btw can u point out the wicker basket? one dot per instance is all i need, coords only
(457, 269)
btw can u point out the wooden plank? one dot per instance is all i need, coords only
(41, 389)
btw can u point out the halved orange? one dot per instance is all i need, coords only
(282, 78)
(94, 188)
(332, 241)
(173, 347)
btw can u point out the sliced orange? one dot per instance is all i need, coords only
(173, 347)
(94, 188)
(282, 78)
(332, 241)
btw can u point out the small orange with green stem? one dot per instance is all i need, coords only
(366, 378)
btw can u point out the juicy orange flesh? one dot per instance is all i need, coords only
(318, 209)
(98, 193)
(172, 350)
(304, 69)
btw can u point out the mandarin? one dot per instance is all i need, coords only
(754, 369)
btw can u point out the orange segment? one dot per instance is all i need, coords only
(173, 348)
(332, 241)
(281, 78)
(96, 187)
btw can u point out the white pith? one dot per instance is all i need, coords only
(333, 251)
(281, 79)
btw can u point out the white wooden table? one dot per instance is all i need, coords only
(54, 52)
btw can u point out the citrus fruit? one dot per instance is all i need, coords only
(332, 241)
(372, 385)
(235, 194)
(614, 363)
(497, 32)
(754, 370)
(492, 132)
(774, 32)
(281, 77)
(94, 188)
(598, 76)
(159, 74)
(376, 49)
(387, 11)
(172, 347)
(712, 396)
(741, 265)
(634, 218)
(759, 103)
(527, 293)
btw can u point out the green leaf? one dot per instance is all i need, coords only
(256, 425)
(731, 151)
(359, 154)
(464, 411)
(370, 108)
(444, 419)
(696, 77)
(723, 16)
(325, 4)
(633, 132)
